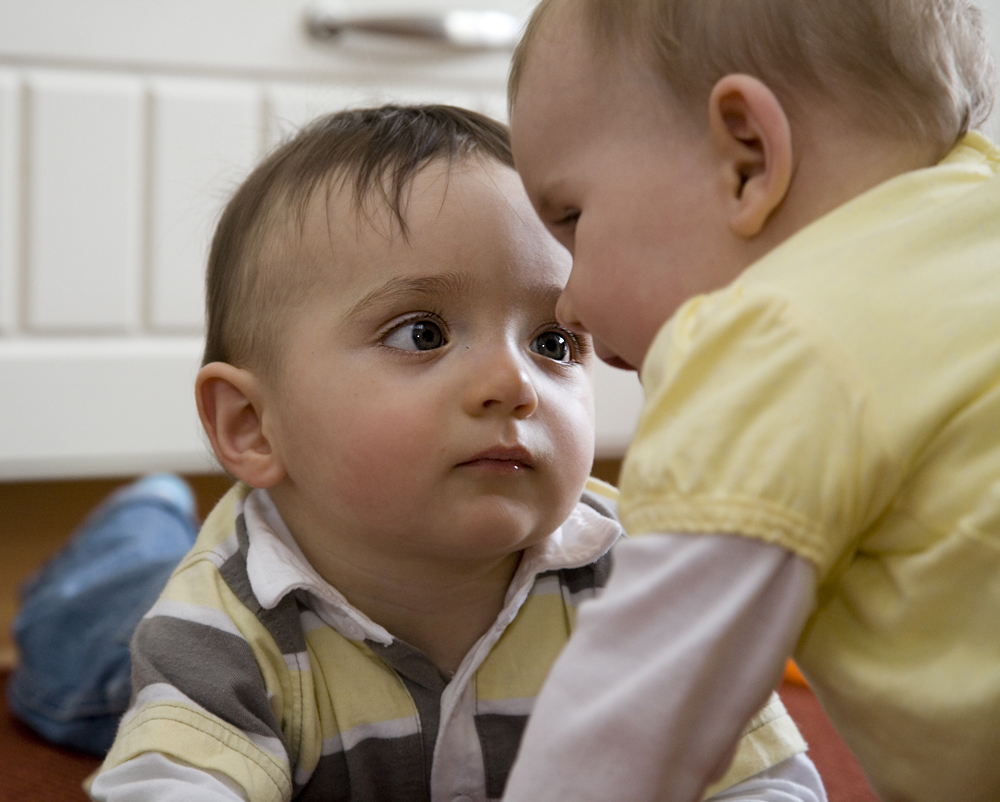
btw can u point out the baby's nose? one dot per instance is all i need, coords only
(502, 383)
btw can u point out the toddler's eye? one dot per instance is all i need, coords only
(417, 335)
(553, 345)
(569, 219)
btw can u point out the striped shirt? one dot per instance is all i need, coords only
(252, 668)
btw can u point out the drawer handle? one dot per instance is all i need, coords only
(465, 30)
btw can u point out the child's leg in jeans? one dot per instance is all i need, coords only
(78, 613)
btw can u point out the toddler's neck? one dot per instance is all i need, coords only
(442, 616)
(836, 160)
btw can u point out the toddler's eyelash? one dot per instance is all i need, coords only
(568, 219)
(415, 317)
(582, 345)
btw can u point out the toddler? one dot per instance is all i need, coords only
(778, 214)
(370, 612)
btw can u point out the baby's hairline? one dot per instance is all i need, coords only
(376, 151)
(281, 237)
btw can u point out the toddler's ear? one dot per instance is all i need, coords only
(752, 135)
(229, 405)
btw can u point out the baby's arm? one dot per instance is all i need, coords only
(649, 697)
(200, 728)
(201, 725)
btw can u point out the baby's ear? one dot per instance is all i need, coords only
(752, 136)
(230, 405)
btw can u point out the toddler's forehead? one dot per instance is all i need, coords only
(336, 211)
(320, 231)
(333, 234)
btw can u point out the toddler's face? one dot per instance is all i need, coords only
(429, 405)
(626, 180)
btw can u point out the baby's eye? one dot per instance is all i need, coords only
(554, 345)
(570, 218)
(417, 335)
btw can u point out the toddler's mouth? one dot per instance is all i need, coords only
(503, 459)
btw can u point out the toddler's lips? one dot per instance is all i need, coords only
(503, 459)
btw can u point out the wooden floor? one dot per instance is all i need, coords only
(38, 771)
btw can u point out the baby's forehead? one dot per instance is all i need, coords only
(343, 205)
(338, 212)
(458, 228)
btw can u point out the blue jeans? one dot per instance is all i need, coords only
(78, 612)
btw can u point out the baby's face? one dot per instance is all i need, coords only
(429, 406)
(627, 181)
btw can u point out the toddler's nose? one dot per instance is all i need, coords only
(502, 383)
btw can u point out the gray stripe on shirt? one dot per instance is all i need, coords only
(215, 669)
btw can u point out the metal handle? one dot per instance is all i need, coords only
(466, 30)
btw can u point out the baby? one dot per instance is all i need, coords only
(370, 612)
(777, 212)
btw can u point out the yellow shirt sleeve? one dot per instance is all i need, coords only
(755, 424)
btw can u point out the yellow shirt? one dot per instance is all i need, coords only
(842, 399)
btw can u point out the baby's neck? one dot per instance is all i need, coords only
(426, 596)
(835, 160)
(442, 616)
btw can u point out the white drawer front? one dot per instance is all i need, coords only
(123, 130)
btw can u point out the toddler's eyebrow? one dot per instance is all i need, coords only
(548, 295)
(401, 287)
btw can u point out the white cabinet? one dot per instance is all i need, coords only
(124, 126)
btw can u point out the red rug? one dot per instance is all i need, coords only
(842, 776)
(36, 771)
(33, 769)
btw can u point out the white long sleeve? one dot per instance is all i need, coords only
(154, 778)
(649, 697)
(792, 780)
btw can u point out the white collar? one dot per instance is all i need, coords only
(276, 565)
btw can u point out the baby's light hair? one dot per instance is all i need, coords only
(252, 279)
(917, 69)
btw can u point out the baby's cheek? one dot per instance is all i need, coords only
(383, 456)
